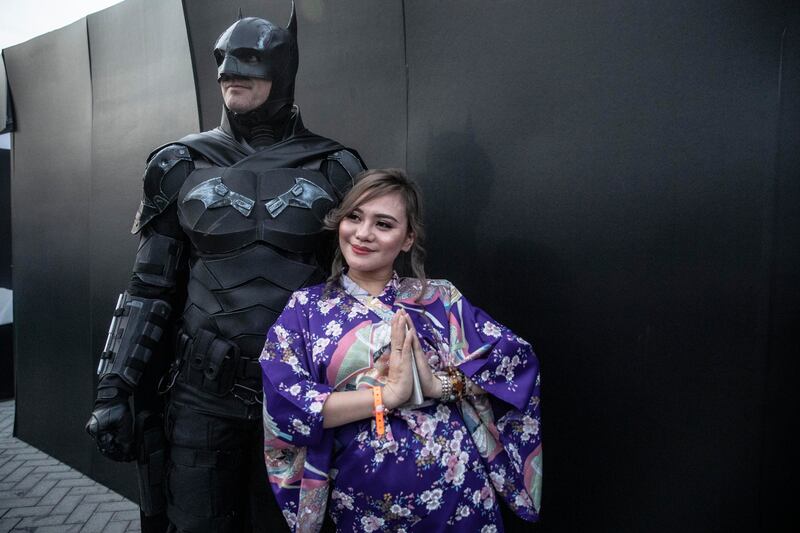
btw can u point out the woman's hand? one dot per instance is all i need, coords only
(399, 381)
(431, 386)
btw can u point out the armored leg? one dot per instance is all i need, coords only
(216, 479)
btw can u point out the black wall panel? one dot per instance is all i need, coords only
(6, 361)
(6, 330)
(6, 120)
(780, 335)
(617, 181)
(5, 218)
(351, 83)
(50, 193)
(605, 167)
(138, 104)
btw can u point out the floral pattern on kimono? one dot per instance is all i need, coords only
(440, 466)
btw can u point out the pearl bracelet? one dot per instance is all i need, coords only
(447, 387)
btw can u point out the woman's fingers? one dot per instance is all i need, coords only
(417, 345)
(426, 377)
(398, 382)
(421, 359)
(408, 347)
(412, 332)
(398, 330)
(400, 345)
(427, 380)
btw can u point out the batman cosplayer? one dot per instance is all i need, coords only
(229, 226)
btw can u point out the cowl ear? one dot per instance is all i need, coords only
(292, 26)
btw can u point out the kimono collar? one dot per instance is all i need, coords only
(387, 297)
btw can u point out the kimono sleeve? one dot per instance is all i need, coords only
(297, 449)
(490, 354)
(507, 435)
(293, 391)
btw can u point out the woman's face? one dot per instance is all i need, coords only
(373, 235)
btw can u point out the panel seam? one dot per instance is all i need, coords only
(408, 84)
(765, 312)
(201, 125)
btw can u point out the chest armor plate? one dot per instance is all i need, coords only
(226, 209)
(254, 236)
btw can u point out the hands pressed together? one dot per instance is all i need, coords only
(405, 345)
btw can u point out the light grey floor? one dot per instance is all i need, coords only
(38, 494)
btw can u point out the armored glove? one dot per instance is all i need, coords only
(111, 423)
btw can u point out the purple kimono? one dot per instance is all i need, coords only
(440, 466)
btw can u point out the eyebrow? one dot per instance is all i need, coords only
(377, 215)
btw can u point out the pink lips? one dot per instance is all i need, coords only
(358, 250)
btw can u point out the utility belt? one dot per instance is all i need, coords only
(214, 365)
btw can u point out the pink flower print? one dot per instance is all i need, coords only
(432, 499)
(491, 329)
(371, 523)
(333, 329)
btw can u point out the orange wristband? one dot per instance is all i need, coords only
(378, 409)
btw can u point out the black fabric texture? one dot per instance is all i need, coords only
(216, 479)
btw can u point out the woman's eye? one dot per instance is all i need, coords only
(352, 216)
(384, 225)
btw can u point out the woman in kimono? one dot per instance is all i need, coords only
(394, 404)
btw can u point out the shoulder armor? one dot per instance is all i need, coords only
(166, 171)
(341, 169)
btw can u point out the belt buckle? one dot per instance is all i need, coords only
(248, 396)
(167, 381)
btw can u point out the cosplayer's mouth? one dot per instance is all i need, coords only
(358, 250)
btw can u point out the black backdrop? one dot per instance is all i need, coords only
(6, 330)
(5, 218)
(617, 181)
